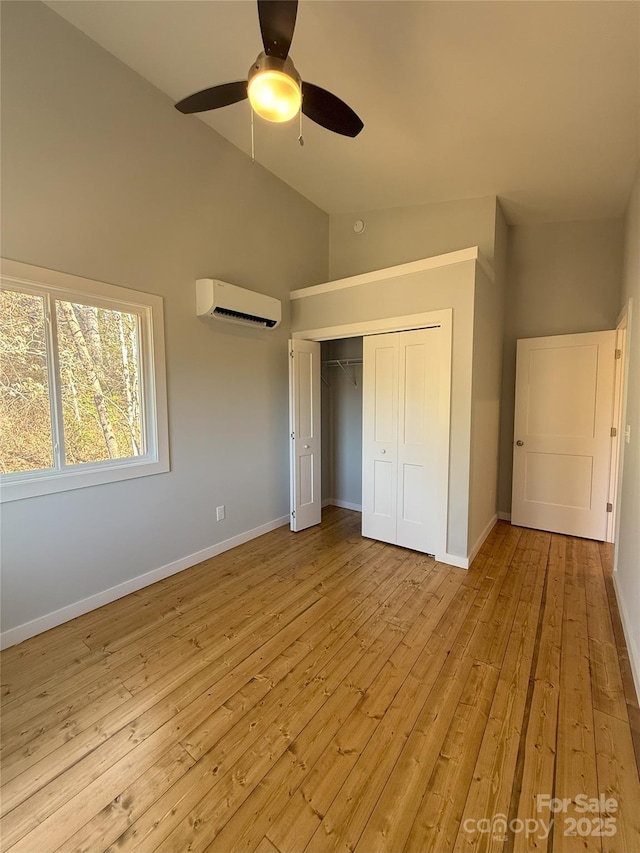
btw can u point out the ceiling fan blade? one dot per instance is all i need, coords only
(329, 111)
(277, 22)
(213, 98)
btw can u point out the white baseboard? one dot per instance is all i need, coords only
(465, 562)
(634, 652)
(346, 505)
(50, 620)
(342, 504)
(481, 539)
(453, 560)
(504, 516)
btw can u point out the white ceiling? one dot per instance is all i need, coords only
(537, 102)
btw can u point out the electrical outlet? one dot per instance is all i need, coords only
(220, 513)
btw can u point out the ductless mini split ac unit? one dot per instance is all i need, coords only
(236, 304)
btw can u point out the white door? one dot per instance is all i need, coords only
(562, 438)
(401, 416)
(418, 440)
(380, 437)
(304, 427)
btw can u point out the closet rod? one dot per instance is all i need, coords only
(338, 362)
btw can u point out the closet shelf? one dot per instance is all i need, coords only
(338, 362)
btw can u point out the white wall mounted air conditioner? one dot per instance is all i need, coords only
(236, 304)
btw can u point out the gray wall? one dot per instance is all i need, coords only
(342, 438)
(488, 315)
(103, 178)
(404, 234)
(561, 278)
(488, 332)
(628, 545)
(501, 248)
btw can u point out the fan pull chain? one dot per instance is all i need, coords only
(253, 145)
(301, 138)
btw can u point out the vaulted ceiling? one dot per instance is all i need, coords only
(537, 102)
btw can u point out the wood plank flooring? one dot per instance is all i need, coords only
(322, 692)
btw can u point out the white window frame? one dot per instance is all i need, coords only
(153, 384)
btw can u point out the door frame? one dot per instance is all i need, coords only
(404, 323)
(623, 328)
(616, 420)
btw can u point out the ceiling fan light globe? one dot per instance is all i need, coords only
(274, 95)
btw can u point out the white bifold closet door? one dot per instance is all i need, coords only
(304, 426)
(401, 386)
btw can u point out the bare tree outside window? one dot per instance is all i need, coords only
(25, 412)
(100, 395)
(100, 379)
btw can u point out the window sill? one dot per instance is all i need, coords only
(47, 483)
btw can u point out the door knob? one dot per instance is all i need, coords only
(306, 447)
(519, 443)
(383, 450)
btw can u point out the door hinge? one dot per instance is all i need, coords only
(293, 435)
(609, 507)
(293, 513)
(291, 353)
(614, 432)
(618, 353)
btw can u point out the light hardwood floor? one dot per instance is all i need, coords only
(323, 692)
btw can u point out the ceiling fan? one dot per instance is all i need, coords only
(274, 87)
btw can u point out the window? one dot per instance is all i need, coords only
(82, 384)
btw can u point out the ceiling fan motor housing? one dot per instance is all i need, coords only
(274, 63)
(274, 88)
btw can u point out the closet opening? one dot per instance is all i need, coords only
(341, 432)
(369, 421)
